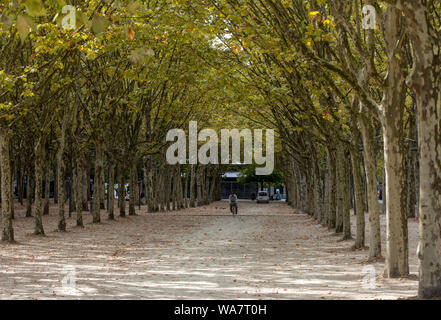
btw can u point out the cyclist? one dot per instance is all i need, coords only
(233, 202)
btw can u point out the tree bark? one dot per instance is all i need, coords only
(397, 258)
(121, 191)
(425, 81)
(39, 156)
(371, 186)
(192, 183)
(6, 183)
(29, 193)
(166, 191)
(187, 174)
(346, 197)
(133, 183)
(55, 182)
(411, 184)
(47, 184)
(79, 189)
(181, 201)
(199, 176)
(111, 191)
(86, 182)
(61, 173)
(11, 187)
(150, 191)
(156, 181)
(99, 168)
(175, 189)
(340, 188)
(102, 180)
(358, 192)
(331, 187)
(20, 182)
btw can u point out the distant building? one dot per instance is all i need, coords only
(230, 185)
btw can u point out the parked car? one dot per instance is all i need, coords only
(263, 196)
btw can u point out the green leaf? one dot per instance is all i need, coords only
(23, 27)
(99, 25)
(5, 21)
(35, 8)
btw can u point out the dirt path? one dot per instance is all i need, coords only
(266, 252)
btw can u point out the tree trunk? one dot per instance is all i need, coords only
(332, 201)
(199, 185)
(310, 179)
(214, 179)
(181, 202)
(346, 198)
(205, 184)
(39, 156)
(289, 185)
(101, 180)
(340, 188)
(426, 82)
(302, 192)
(358, 192)
(11, 192)
(79, 189)
(6, 183)
(29, 193)
(133, 183)
(20, 182)
(167, 180)
(411, 184)
(121, 191)
(187, 174)
(397, 264)
(411, 166)
(111, 191)
(86, 182)
(161, 189)
(99, 168)
(397, 258)
(150, 190)
(47, 184)
(192, 183)
(61, 172)
(155, 192)
(371, 186)
(55, 182)
(325, 195)
(175, 189)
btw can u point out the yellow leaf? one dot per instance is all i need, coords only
(131, 34)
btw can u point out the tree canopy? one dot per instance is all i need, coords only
(96, 86)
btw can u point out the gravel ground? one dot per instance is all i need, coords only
(266, 252)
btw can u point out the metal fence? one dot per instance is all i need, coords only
(243, 191)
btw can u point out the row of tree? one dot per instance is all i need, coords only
(353, 106)
(95, 101)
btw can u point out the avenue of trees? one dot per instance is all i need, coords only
(354, 108)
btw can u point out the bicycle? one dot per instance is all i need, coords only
(234, 209)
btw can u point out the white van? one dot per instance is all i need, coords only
(262, 196)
